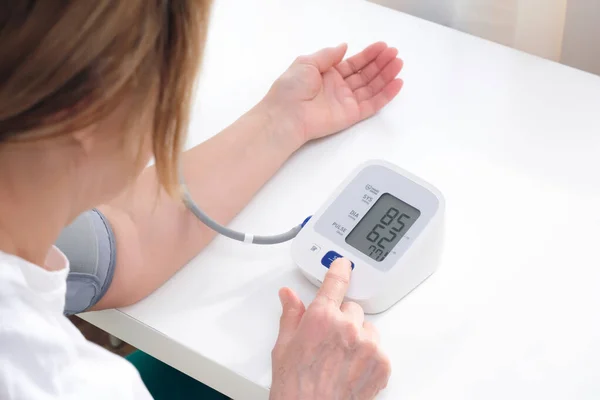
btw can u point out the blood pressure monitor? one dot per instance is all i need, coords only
(387, 222)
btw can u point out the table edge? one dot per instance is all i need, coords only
(175, 354)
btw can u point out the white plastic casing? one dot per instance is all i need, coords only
(376, 287)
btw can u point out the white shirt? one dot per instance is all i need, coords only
(42, 354)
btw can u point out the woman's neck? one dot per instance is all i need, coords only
(35, 202)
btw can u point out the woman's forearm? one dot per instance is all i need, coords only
(156, 235)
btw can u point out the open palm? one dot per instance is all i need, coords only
(323, 94)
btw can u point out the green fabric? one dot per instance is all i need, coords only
(165, 382)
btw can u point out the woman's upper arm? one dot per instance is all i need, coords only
(89, 245)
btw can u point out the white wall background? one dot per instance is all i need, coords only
(567, 31)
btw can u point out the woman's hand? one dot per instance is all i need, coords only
(320, 94)
(327, 351)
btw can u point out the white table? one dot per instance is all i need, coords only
(513, 142)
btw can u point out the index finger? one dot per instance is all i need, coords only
(336, 282)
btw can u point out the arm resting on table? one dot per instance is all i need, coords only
(317, 96)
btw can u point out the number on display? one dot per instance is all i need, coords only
(375, 236)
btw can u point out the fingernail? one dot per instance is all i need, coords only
(347, 262)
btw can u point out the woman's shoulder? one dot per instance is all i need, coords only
(42, 354)
(23, 282)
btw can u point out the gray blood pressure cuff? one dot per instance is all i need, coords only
(89, 244)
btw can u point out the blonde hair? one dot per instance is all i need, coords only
(66, 65)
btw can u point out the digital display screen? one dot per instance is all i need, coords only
(382, 227)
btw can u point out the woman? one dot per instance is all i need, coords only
(89, 91)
